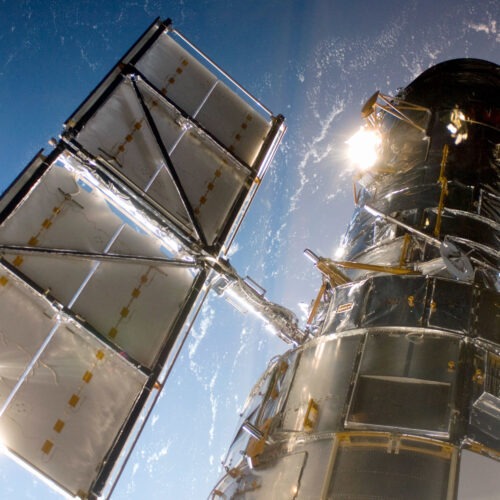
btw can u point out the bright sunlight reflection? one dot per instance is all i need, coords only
(363, 147)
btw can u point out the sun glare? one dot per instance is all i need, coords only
(363, 147)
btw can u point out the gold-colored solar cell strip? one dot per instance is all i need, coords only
(73, 401)
(44, 226)
(138, 125)
(172, 78)
(47, 446)
(58, 426)
(18, 261)
(218, 172)
(125, 310)
(130, 136)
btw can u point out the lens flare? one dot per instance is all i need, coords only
(363, 147)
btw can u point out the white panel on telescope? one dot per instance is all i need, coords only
(241, 129)
(137, 309)
(176, 73)
(59, 212)
(69, 410)
(119, 133)
(64, 212)
(211, 179)
(71, 240)
(176, 128)
(196, 90)
(213, 182)
(27, 319)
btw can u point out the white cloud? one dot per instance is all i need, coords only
(490, 28)
(214, 404)
(135, 468)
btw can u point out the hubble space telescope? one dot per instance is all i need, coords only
(111, 242)
(401, 377)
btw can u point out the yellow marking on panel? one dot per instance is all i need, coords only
(3, 280)
(211, 184)
(171, 80)
(47, 446)
(73, 400)
(59, 425)
(130, 136)
(46, 224)
(99, 354)
(311, 416)
(345, 307)
(87, 377)
(18, 261)
(125, 311)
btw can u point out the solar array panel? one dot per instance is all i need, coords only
(106, 248)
